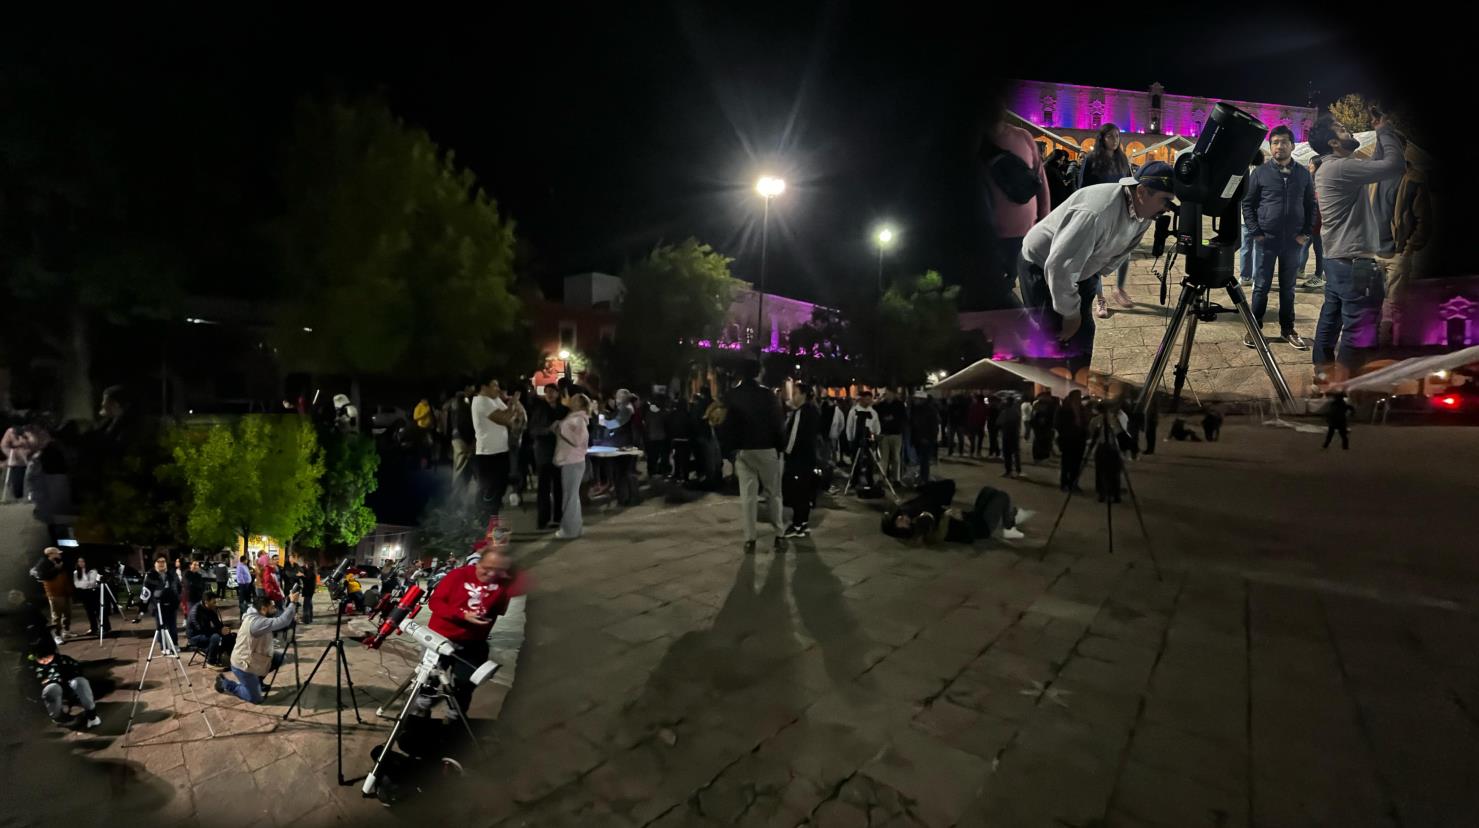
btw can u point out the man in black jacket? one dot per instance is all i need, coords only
(207, 633)
(924, 425)
(754, 428)
(1279, 210)
(164, 598)
(801, 460)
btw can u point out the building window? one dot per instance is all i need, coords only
(567, 336)
(1047, 117)
(1196, 128)
(1097, 120)
(1155, 101)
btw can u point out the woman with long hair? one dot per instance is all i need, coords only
(572, 435)
(1107, 163)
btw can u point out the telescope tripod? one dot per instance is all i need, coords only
(341, 677)
(429, 668)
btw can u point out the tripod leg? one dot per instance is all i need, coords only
(1068, 498)
(1140, 517)
(1168, 340)
(1275, 376)
(397, 694)
(369, 787)
(349, 680)
(301, 690)
(457, 709)
(1184, 364)
(852, 473)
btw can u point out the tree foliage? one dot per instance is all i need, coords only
(676, 295)
(259, 474)
(138, 496)
(450, 527)
(395, 260)
(340, 517)
(895, 339)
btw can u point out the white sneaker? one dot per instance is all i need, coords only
(93, 720)
(59, 640)
(1012, 534)
(1022, 516)
(560, 535)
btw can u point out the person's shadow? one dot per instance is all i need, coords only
(824, 613)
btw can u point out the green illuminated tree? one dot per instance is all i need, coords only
(258, 475)
(341, 517)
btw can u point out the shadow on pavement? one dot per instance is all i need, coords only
(824, 613)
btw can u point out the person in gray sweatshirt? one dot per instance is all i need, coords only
(252, 657)
(1354, 285)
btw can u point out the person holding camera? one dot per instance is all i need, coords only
(1093, 232)
(1354, 282)
(252, 657)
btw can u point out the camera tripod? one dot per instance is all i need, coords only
(105, 594)
(1104, 429)
(290, 644)
(428, 669)
(341, 677)
(869, 451)
(167, 649)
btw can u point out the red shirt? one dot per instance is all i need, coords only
(461, 591)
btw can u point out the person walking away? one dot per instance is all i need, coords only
(755, 429)
(978, 421)
(1248, 253)
(1337, 417)
(491, 419)
(891, 419)
(799, 486)
(572, 440)
(1107, 163)
(545, 412)
(655, 425)
(1019, 192)
(57, 674)
(252, 657)
(1278, 212)
(1009, 421)
(57, 583)
(85, 588)
(1093, 232)
(1354, 288)
(924, 427)
(1073, 440)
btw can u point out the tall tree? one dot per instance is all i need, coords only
(675, 296)
(258, 475)
(341, 518)
(396, 262)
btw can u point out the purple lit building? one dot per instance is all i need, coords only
(1146, 117)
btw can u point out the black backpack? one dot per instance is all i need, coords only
(1017, 181)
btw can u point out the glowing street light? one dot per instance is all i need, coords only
(884, 238)
(768, 187)
(565, 358)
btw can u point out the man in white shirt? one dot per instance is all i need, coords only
(1092, 232)
(490, 419)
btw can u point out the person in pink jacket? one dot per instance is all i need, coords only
(572, 439)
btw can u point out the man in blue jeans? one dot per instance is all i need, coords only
(1354, 285)
(1248, 254)
(1278, 209)
(252, 657)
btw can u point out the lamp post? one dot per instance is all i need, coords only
(768, 187)
(885, 240)
(565, 358)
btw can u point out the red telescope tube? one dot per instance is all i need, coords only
(397, 615)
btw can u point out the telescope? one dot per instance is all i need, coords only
(406, 607)
(1209, 180)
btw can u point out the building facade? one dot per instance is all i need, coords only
(1148, 118)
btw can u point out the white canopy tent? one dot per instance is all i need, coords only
(1385, 379)
(1053, 135)
(987, 372)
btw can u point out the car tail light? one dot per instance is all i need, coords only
(1449, 401)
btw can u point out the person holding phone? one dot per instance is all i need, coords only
(464, 606)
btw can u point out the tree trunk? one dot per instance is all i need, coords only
(76, 371)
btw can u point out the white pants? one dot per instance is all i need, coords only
(756, 468)
(570, 477)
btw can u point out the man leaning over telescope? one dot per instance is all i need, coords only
(464, 606)
(1092, 232)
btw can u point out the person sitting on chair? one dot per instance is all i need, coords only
(58, 674)
(353, 592)
(252, 657)
(207, 633)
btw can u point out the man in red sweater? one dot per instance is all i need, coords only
(463, 608)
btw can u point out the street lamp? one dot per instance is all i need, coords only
(885, 239)
(768, 187)
(565, 358)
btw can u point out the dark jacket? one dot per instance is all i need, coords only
(194, 587)
(1279, 206)
(202, 620)
(679, 421)
(462, 427)
(163, 589)
(800, 446)
(754, 418)
(891, 417)
(924, 422)
(1102, 170)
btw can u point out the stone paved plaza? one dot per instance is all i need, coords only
(1298, 650)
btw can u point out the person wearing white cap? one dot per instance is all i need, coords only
(1093, 232)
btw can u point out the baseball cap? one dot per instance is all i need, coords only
(1156, 175)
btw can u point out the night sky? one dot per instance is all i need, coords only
(606, 130)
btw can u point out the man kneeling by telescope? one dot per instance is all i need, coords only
(1093, 232)
(252, 657)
